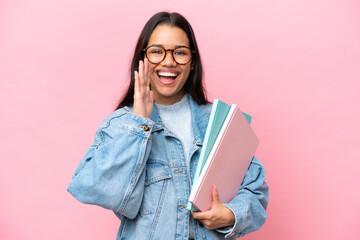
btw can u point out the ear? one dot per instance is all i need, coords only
(192, 66)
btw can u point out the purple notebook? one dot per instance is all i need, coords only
(228, 161)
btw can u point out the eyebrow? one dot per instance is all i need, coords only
(160, 45)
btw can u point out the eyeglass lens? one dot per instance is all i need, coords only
(181, 55)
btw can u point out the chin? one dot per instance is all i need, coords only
(168, 97)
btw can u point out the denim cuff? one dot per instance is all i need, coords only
(138, 124)
(119, 122)
(235, 230)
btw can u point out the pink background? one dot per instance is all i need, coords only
(293, 65)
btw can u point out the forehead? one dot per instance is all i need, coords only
(168, 36)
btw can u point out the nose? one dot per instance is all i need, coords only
(169, 59)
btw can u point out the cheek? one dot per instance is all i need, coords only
(186, 74)
(152, 70)
(152, 74)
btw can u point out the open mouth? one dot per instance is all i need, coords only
(167, 77)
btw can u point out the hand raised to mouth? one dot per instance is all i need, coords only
(143, 96)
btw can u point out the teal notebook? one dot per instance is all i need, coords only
(218, 115)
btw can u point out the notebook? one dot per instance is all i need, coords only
(227, 162)
(218, 115)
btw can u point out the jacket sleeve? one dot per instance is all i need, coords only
(111, 174)
(249, 205)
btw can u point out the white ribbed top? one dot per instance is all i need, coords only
(177, 118)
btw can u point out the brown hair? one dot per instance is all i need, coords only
(194, 85)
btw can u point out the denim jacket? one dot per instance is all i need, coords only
(136, 167)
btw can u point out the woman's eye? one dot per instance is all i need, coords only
(180, 53)
(156, 52)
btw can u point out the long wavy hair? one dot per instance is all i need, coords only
(194, 84)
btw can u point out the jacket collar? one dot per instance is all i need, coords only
(199, 115)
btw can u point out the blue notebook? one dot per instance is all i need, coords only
(218, 115)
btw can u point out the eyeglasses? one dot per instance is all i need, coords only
(156, 54)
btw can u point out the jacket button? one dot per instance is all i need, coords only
(146, 128)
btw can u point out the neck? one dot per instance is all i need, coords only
(163, 100)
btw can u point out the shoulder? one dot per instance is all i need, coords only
(123, 120)
(200, 109)
(125, 115)
(117, 114)
(208, 107)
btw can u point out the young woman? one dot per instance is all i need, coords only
(144, 156)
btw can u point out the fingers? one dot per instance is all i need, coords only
(208, 224)
(218, 216)
(136, 83)
(147, 72)
(143, 75)
(139, 79)
(143, 96)
(215, 195)
(208, 214)
(200, 215)
(147, 78)
(205, 218)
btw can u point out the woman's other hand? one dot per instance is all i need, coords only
(143, 96)
(218, 216)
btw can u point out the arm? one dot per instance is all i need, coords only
(111, 173)
(249, 205)
(246, 212)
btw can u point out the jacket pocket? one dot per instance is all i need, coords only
(157, 175)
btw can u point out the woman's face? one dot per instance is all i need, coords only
(168, 89)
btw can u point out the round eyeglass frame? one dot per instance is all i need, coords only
(172, 54)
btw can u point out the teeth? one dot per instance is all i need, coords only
(167, 74)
